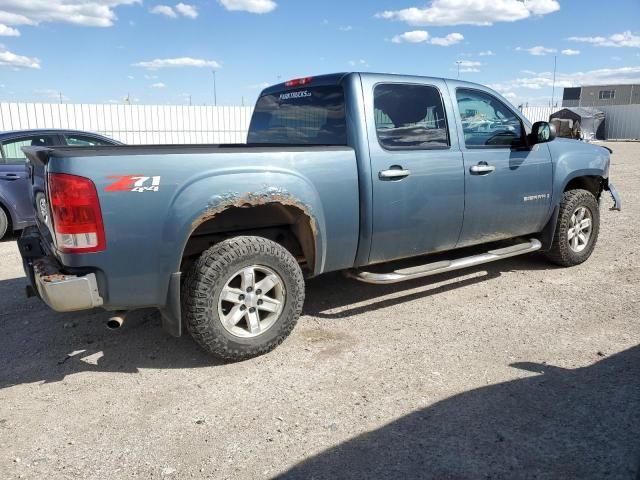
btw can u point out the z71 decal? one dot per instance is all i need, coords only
(133, 183)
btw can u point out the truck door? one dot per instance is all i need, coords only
(507, 186)
(416, 168)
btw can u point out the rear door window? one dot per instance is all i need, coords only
(300, 116)
(410, 117)
(12, 149)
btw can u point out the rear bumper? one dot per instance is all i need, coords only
(60, 291)
(64, 293)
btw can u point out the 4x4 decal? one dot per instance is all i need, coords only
(133, 183)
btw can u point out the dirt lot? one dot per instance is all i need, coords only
(515, 370)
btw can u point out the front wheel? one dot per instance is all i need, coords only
(577, 229)
(243, 297)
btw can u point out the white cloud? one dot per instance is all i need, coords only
(468, 66)
(165, 10)
(346, 28)
(471, 12)
(176, 63)
(415, 36)
(537, 51)
(258, 86)
(131, 77)
(422, 36)
(486, 53)
(183, 9)
(10, 59)
(251, 6)
(570, 51)
(89, 13)
(448, 40)
(52, 94)
(188, 11)
(624, 39)
(158, 85)
(6, 31)
(603, 76)
(359, 63)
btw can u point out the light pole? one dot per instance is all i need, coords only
(458, 62)
(553, 88)
(215, 92)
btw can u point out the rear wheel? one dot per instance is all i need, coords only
(577, 229)
(243, 297)
(4, 223)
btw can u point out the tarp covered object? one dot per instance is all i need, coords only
(579, 122)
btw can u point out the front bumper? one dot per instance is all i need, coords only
(617, 202)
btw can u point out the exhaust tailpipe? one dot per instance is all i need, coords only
(117, 320)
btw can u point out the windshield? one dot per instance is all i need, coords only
(303, 116)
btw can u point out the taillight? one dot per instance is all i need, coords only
(75, 209)
(298, 82)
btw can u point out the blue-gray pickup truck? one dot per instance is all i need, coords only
(340, 172)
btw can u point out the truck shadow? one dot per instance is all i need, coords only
(37, 344)
(581, 423)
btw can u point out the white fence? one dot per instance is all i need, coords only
(158, 124)
(134, 124)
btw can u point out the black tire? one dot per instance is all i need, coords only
(561, 252)
(208, 276)
(4, 223)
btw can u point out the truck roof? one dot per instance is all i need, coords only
(335, 78)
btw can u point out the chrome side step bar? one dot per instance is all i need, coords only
(445, 265)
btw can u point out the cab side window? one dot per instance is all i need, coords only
(410, 117)
(12, 149)
(487, 122)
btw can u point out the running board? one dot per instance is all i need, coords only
(445, 265)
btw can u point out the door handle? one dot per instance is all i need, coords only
(10, 176)
(482, 169)
(393, 173)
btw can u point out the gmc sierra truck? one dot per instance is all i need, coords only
(340, 172)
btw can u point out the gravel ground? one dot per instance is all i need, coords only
(514, 370)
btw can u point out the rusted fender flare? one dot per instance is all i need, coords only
(195, 204)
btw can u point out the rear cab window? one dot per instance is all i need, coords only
(300, 116)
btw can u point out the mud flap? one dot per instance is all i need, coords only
(171, 312)
(546, 236)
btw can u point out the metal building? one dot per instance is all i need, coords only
(620, 104)
(601, 95)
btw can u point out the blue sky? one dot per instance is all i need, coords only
(164, 51)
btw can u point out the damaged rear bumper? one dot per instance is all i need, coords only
(61, 291)
(65, 293)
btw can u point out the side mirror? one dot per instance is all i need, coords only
(542, 132)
